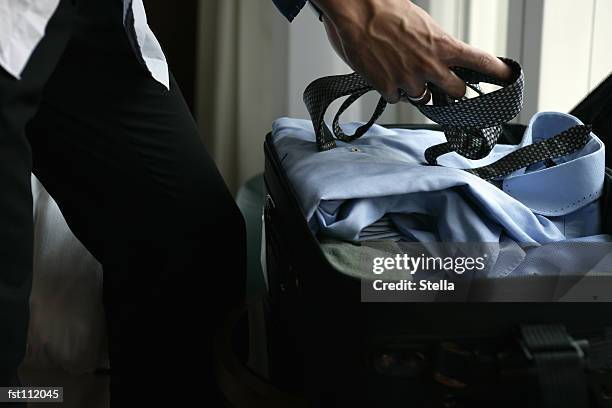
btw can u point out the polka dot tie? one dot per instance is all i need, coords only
(471, 126)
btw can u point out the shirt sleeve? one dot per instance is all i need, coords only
(290, 8)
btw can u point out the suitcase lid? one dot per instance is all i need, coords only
(596, 109)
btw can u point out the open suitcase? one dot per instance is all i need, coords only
(337, 351)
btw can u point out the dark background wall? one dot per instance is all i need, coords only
(175, 23)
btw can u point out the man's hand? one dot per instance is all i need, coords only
(396, 45)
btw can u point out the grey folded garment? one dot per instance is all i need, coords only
(356, 259)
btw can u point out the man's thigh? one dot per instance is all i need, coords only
(108, 140)
(19, 101)
(122, 156)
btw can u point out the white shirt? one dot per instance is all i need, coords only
(23, 24)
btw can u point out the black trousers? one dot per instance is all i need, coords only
(123, 158)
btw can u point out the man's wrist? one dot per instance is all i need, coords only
(358, 12)
(334, 9)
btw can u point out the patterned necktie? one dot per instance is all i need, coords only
(471, 126)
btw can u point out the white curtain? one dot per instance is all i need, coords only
(242, 82)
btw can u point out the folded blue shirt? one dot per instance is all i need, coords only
(346, 189)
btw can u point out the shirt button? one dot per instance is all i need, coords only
(355, 150)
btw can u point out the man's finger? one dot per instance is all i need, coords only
(382, 82)
(450, 83)
(390, 93)
(415, 93)
(391, 96)
(481, 61)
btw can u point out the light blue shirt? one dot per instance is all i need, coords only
(346, 189)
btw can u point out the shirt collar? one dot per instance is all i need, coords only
(573, 182)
